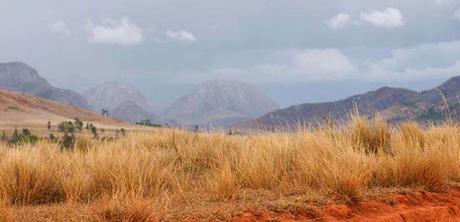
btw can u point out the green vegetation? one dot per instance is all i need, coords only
(25, 137)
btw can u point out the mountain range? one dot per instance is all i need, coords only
(220, 104)
(213, 104)
(393, 104)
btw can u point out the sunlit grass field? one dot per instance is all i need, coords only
(169, 174)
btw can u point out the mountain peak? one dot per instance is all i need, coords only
(220, 102)
(122, 100)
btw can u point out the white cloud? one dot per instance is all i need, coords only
(456, 15)
(122, 32)
(389, 18)
(339, 21)
(181, 35)
(59, 27)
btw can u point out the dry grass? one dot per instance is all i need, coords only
(142, 177)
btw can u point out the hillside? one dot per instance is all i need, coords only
(20, 77)
(221, 103)
(22, 110)
(393, 104)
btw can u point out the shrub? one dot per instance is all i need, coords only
(26, 137)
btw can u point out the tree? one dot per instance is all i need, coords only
(26, 137)
(94, 132)
(68, 141)
(78, 124)
(15, 136)
(3, 136)
(52, 138)
(105, 112)
(68, 127)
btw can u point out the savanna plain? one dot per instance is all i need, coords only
(172, 175)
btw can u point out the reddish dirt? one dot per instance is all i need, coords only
(413, 207)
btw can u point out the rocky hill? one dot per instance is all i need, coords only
(20, 77)
(123, 102)
(220, 103)
(393, 104)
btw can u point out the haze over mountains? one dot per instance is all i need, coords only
(393, 104)
(225, 103)
(213, 104)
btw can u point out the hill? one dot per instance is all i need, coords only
(393, 104)
(20, 77)
(123, 102)
(220, 103)
(22, 110)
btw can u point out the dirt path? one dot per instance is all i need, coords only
(416, 207)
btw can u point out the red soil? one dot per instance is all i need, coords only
(416, 207)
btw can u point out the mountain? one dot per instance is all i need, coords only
(20, 77)
(23, 110)
(393, 104)
(123, 102)
(220, 103)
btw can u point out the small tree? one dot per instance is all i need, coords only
(94, 132)
(196, 129)
(52, 138)
(105, 112)
(78, 124)
(26, 137)
(68, 141)
(15, 136)
(68, 127)
(3, 136)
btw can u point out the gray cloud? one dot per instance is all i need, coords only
(276, 42)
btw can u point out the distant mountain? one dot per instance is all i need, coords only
(393, 104)
(123, 102)
(220, 103)
(20, 77)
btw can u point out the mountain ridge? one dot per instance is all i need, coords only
(20, 77)
(393, 104)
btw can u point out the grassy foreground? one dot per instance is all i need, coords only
(172, 175)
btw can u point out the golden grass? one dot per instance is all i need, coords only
(142, 176)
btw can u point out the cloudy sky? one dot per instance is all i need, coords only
(296, 50)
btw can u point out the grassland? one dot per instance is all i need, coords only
(169, 174)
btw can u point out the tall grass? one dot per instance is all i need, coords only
(341, 162)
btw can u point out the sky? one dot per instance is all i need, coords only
(297, 51)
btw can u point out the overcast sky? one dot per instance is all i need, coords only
(296, 50)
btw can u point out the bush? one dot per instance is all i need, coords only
(26, 137)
